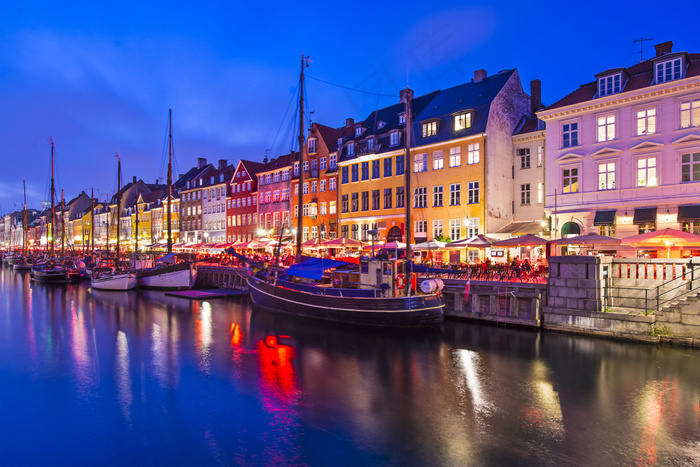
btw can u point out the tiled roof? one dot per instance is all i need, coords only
(529, 125)
(641, 76)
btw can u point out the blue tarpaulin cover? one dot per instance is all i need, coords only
(313, 268)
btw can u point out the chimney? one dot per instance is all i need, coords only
(201, 162)
(479, 75)
(222, 163)
(349, 122)
(535, 96)
(405, 94)
(663, 48)
(134, 179)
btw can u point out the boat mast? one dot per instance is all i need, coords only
(300, 211)
(407, 172)
(24, 217)
(119, 200)
(53, 211)
(63, 224)
(92, 220)
(170, 177)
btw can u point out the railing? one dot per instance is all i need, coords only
(692, 273)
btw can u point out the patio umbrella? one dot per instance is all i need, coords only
(426, 246)
(589, 239)
(342, 242)
(664, 238)
(311, 243)
(522, 240)
(477, 241)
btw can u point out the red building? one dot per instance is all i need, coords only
(242, 205)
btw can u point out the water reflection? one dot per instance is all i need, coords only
(178, 382)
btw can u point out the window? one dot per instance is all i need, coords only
(570, 180)
(354, 202)
(354, 231)
(646, 121)
(344, 204)
(455, 156)
(276, 177)
(388, 164)
(305, 210)
(525, 193)
(375, 169)
(314, 166)
(455, 229)
(402, 118)
(606, 176)
(472, 224)
(400, 168)
(387, 198)
(668, 71)
(429, 129)
(437, 195)
(359, 130)
(646, 171)
(569, 135)
(355, 172)
(331, 207)
(609, 85)
(524, 155)
(690, 113)
(375, 199)
(351, 149)
(312, 145)
(365, 230)
(344, 231)
(455, 194)
(365, 170)
(421, 229)
(365, 200)
(370, 145)
(473, 154)
(394, 138)
(306, 166)
(323, 163)
(692, 227)
(540, 193)
(305, 233)
(437, 228)
(420, 163)
(305, 188)
(437, 160)
(473, 193)
(285, 176)
(606, 128)
(331, 184)
(276, 196)
(323, 186)
(285, 194)
(463, 121)
(332, 161)
(314, 232)
(400, 196)
(314, 186)
(420, 197)
(690, 167)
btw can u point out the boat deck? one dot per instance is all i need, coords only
(205, 295)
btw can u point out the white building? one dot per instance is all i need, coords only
(623, 152)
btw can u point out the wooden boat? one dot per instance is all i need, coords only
(22, 265)
(381, 295)
(49, 272)
(115, 278)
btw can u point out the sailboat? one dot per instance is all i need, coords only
(168, 273)
(115, 279)
(22, 264)
(304, 289)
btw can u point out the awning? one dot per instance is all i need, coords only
(689, 213)
(519, 228)
(644, 216)
(313, 268)
(604, 217)
(570, 228)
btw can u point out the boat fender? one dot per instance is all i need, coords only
(414, 281)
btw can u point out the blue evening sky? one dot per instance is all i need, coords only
(98, 77)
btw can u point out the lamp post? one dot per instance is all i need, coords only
(373, 233)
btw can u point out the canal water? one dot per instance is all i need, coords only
(139, 378)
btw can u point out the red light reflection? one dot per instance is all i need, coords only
(276, 368)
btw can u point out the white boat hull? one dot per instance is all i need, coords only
(114, 282)
(172, 280)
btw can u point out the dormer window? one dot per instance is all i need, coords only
(394, 138)
(340, 141)
(351, 149)
(669, 70)
(358, 131)
(463, 121)
(211, 182)
(312, 145)
(380, 125)
(402, 118)
(609, 85)
(429, 129)
(370, 145)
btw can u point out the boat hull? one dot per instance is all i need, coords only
(57, 276)
(168, 278)
(416, 310)
(114, 282)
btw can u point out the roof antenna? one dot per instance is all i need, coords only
(641, 46)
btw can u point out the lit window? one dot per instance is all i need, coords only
(646, 121)
(606, 128)
(690, 113)
(540, 193)
(437, 228)
(437, 160)
(463, 121)
(331, 184)
(570, 180)
(646, 171)
(540, 153)
(429, 129)
(455, 156)
(420, 163)
(473, 151)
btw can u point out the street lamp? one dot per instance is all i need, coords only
(373, 233)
